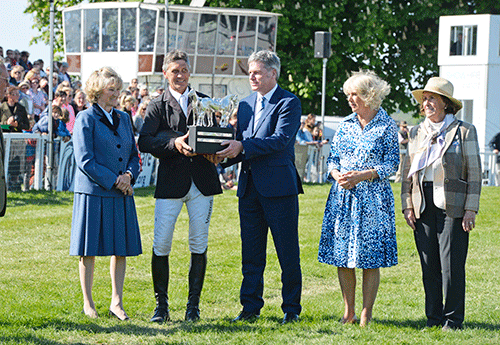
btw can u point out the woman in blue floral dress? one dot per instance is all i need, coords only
(359, 228)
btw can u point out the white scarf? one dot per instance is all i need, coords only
(432, 146)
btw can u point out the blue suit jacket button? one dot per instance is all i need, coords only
(118, 146)
(120, 159)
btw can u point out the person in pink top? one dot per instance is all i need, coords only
(67, 105)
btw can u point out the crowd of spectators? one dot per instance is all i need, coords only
(25, 107)
(311, 134)
(27, 98)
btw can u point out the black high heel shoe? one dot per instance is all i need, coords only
(113, 314)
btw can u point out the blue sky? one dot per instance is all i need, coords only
(16, 30)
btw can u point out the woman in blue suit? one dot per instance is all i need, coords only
(104, 215)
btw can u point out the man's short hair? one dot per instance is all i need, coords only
(56, 110)
(174, 56)
(64, 117)
(269, 59)
(11, 89)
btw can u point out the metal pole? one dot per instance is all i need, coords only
(323, 102)
(48, 183)
(214, 66)
(166, 27)
(165, 84)
(323, 94)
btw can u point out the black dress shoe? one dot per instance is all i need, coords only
(246, 316)
(289, 318)
(192, 314)
(448, 326)
(161, 315)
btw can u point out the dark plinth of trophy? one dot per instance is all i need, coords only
(208, 139)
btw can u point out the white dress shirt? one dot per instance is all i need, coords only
(182, 99)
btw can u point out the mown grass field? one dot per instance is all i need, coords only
(40, 297)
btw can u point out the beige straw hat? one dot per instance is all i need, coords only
(440, 86)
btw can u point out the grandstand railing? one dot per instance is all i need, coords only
(26, 164)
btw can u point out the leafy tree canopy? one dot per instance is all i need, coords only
(395, 38)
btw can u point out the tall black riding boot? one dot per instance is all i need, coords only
(196, 277)
(160, 272)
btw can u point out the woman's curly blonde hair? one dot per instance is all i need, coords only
(99, 80)
(369, 87)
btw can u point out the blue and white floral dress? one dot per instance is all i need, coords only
(359, 227)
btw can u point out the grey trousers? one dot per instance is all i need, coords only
(442, 245)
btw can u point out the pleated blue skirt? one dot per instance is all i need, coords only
(104, 226)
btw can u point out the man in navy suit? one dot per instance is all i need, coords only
(268, 186)
(183, 178)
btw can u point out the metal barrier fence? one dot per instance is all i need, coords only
(311, 164)
(310, 161)
(26, 164)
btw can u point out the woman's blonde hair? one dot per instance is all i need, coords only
(369, 87)
(62, 85)
(127, 99)
(99, 80)
(34, 73)
(143, 105)
(16, 68)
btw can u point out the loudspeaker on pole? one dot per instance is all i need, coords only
(322, 44)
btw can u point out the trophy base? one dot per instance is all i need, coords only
(208, 139)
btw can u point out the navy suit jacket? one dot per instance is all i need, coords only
(103, 151)
(269, 149)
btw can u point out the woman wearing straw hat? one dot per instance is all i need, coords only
(440, 199)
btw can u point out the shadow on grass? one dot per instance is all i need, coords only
(38, 197)
(30, 339)
(145, 191)
(127, 328)
(42, 197)
(420, 324)
(414, 324)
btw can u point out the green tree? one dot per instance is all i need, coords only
(397, 39)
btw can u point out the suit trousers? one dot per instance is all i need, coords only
(442, 245)
(199, 209)
(257, 215)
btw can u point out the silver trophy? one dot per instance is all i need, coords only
(206, 136)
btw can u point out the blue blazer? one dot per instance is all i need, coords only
(42, 126)
(269, 149)
(103, 151)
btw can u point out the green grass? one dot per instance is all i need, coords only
(40, 297)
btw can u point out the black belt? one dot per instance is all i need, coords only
(426, 184)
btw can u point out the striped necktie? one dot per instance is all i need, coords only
(261, 104)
